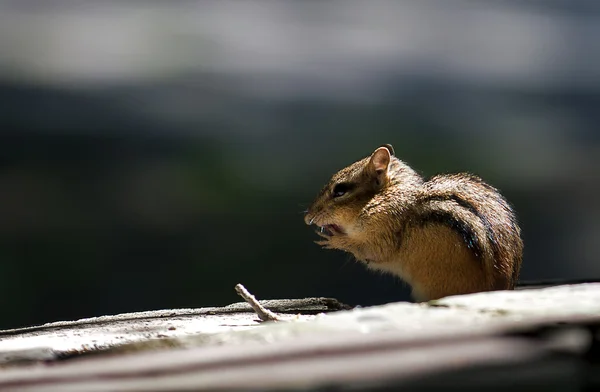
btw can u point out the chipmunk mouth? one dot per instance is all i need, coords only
(332, 229)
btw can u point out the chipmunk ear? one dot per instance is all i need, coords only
(380, 160)
(390, 148)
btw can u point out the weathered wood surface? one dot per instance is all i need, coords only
(546, 338)
(67, 338)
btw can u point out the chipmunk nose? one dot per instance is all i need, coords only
(309, 218)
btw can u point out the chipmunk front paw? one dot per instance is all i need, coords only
(331, 241)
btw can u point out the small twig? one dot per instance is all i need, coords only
(263, 313)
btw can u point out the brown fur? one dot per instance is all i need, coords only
(453, 234)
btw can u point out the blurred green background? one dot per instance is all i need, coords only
(154, 154)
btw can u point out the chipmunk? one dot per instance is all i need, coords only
(451, 234)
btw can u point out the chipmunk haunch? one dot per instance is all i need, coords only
(451, 234)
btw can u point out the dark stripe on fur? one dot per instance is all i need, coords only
(486, 223)
(462, 228)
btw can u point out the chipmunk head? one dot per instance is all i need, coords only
(339, 204)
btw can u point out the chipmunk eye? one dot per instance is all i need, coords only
(341, 189)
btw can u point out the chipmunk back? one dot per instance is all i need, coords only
(452, 234)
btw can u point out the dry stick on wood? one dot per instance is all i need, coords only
(263, 313)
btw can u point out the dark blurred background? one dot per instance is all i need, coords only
(154, 154)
